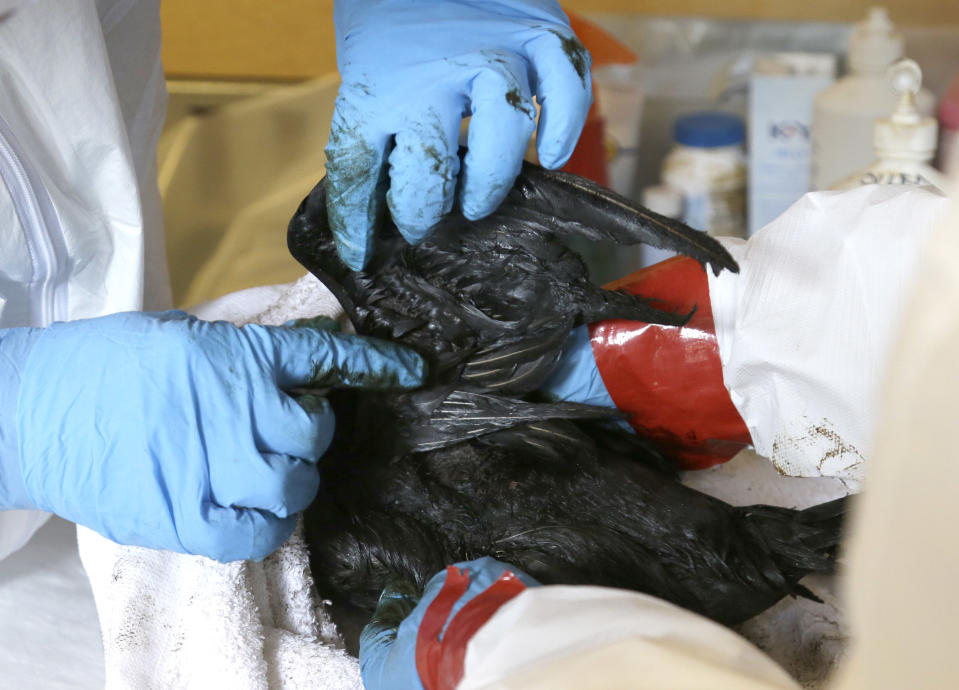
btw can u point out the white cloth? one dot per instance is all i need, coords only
(172, 620)
(903, 552)
(83, 100)
(805, 328)
(17, 527)
(49, 637)
(610, 632)
(83, 105)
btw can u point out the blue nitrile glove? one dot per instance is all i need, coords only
(392, 641)
(165, 431)
(412, 69)
(576, 377)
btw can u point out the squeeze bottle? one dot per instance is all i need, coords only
(844, 114)
(904, 143)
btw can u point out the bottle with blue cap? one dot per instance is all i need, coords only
(708, 167)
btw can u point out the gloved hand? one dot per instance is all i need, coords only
(414, 642)
(165, 431)
(412, 69)
(576, 377)
(668, 380)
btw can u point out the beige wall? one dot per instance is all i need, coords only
(281, 39)
(903, 11)
(291, 39)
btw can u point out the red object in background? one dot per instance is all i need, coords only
(589, 158)
(949, 106)
(669, 379)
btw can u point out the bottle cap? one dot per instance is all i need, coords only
(709, 130)
(875, 43)
(906, 133)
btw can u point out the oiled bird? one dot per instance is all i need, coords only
(475, 463)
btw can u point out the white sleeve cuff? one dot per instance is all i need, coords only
(805, 328)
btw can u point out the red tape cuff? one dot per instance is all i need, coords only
(440, 663)
(670, 379)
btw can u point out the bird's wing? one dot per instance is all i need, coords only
(571, 205)
(464, 415)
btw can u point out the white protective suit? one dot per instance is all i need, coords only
(82, 103)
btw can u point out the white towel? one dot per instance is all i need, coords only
(174, 621)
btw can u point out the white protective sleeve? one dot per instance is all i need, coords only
(903, 555)
(805, 328)
(584, 637)
(81, 230)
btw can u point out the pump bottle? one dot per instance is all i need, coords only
(844, 114)
(904, 143)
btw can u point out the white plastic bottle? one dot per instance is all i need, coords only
(782, 89)
(708, 166)
(905, 143)
(666, 201)
(844, 114)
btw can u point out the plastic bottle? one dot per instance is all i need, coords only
(905, 143)
(782, 89)
(666, 201)
(844, 114)
(708, 166)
